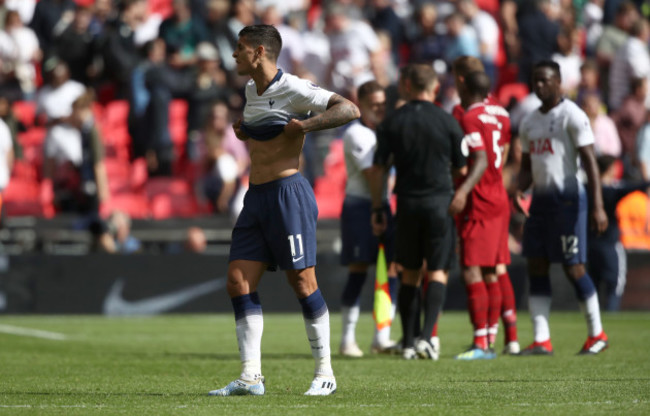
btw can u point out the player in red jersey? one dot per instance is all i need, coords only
(484, 215)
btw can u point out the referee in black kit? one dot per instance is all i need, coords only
(423, 142)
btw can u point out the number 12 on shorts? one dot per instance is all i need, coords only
(569, 245)
(292, 243)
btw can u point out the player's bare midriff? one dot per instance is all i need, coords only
(274, 159)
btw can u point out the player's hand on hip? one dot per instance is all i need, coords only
(294, 129)
(458, 203)
(378, 222)
(239, 132)
(599, 220)
(521, 203)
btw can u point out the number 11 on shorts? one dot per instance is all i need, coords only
(292, 243)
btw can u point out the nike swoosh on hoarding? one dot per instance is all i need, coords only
(115, 304)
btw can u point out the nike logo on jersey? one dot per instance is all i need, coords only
(115, 304)
(297, 259)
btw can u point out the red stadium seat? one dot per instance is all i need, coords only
(24, 197)
(25, 112)
(330, 188)
(171, 197)
(133, 203)
(34, 136)
(516, 90)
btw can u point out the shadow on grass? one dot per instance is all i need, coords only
(226, 357)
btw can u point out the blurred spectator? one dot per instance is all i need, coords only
(209, 86)
(606, 139)
(14, 126)
(569, 58)
(182, 32)
(592, 18)
(629, 119)
(317, 60)
(195, 242)
(153, 85)
(589, 80)
(487, 30)
(292, 53)
(612, 40)
(119, 226)
(76, 46)
(51, 17)
(462, 38)
(25, 8)
(383, 18)
(632, 61)
(643, 150)
(426, 41)
(6, 158)
(74, 161)
(538, 30)
(120, 51)
(224, 159)
(354, 47)
(28, 52)
(219, 32)
(104, 15)
(54, 99)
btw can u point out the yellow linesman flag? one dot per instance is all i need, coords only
(382, 307)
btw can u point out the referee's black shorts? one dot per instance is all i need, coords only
(424, 231)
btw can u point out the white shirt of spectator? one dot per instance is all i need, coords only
(57, 102)
(63, 144)
(569, 70)
(292, 48)
(6, 146)
(552, 140)
(631, 61)
(226, 167)
(487, 31)
(351, 52)
(25, 9)
(317, 55)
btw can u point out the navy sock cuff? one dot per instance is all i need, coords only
(584, 287)
(313, 306)
(246, 305)
(393, 284)
(540, 286)
(352, 290)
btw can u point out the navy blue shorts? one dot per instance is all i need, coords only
(277, 225)
(558, 235)
(359, 244)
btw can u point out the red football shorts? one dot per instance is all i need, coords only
(485, 242)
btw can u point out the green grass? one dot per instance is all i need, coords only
(166, 365)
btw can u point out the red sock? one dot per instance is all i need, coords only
(434, 332)
(508, 308)
(477, 303)
(494, 310)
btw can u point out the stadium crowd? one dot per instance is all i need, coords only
(127, 105)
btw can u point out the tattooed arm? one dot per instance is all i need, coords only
(339, 111)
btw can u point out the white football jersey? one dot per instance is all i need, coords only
(287, 97)
(552, 140)
(359, 144)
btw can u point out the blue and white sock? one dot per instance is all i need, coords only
(317, 324)
(250, 325)
(588, 299)
(539, 303)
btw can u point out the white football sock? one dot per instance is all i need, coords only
(349, 317)
(318, 333)
(249, 338)
(591, 309)
(540, 309)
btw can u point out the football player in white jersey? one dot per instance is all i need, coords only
(553, 138)
(277, 225)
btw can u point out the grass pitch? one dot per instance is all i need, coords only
(166, 365)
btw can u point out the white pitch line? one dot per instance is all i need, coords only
(28, 332)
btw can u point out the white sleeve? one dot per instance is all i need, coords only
(308, 96)
(579, 128)
(362, 146)
(369, 37)
(523, 137)
(5, 138)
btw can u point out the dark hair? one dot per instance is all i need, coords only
(368, 88)
(265, 35)
(605, 162)
(421, 76)
(552, 65)
(478, 83)
(463, 65)
(636, 83)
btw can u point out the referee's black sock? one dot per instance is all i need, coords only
(407, 303)
(433, 301)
